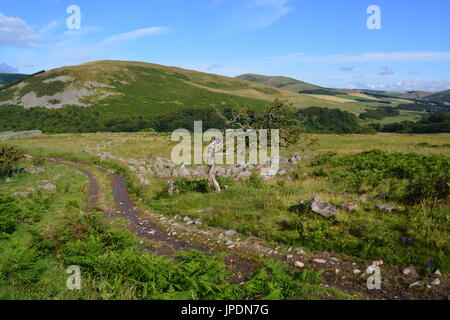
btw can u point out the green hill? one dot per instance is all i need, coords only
(443, 96)
(142, 87)
(279, 82)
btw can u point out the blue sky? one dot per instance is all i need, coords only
(325, 42)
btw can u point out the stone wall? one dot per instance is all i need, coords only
(21, 134)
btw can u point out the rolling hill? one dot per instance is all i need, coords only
(443, 96)
(284, 83)
(136, 88)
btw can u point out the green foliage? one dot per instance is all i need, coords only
(433, 123)
(113, 265)
(366, 130)
(10, 159)
(425, 177)
(323, 120)
(13, 213)
(379, 113)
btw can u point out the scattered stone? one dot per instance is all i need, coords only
(385, 207)
(323, 208)
(230, 233)
(186, 219)
(198, 221)
(34, 170)
(334, 259)
(299, 251)
(48, 187)
(209, 209)
(438, 273)
(244, 175)
(363, 197)
(411, 272)
(356, 271)
(320, 261)
(415, 284)
(382, 196)
(349, 207)
(336, 271)
(299, 264)
(21, 194)
(436, 282)
(289, 256)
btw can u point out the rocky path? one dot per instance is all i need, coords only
(343, 274)
(146, 228)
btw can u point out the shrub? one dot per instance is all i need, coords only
(10, 158)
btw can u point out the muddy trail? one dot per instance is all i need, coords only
(164, 243)
(337, 273)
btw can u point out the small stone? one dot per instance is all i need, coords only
(299, 251)
(320, 261)
(289, 256)
(49, 187)
(323, 208)
(336, 271)
(415, 284)
(411, 272)
(356, 271)
(349, 207)
(299, 264)
(436, 282)
(198, 221)
(230, 233)
(438, 273)
(385, 207)
(334, 259)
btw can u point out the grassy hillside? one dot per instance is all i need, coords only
(142, 88)
(443, 96)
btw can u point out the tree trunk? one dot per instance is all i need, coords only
(212, 182)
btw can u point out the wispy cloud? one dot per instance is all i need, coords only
(257, 14)
(136, 34)
(431, 86)
(386, 71)
(16, 32)
(418, 56)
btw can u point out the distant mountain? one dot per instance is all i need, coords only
(6, 78)
(284, 83)
(443, 96)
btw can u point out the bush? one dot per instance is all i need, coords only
(10, 158)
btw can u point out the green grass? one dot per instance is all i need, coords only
(263, 209)
(44, 233)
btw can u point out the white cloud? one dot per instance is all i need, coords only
(418, 56)
(136, 34)
(15, 32)
(432, 86)
(4, 68)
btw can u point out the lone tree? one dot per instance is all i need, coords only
(277, 115)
